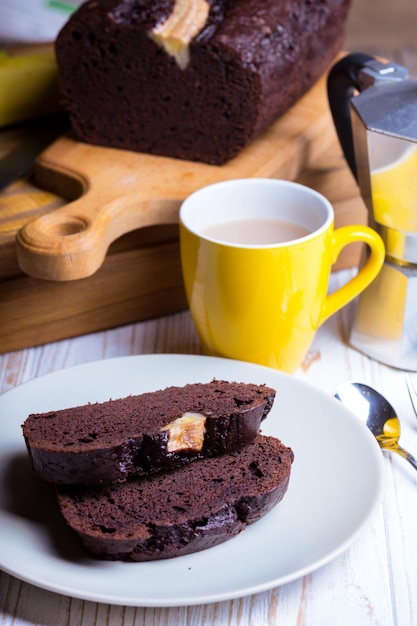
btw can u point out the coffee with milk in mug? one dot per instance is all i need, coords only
(256, 231)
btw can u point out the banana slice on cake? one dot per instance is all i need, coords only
(187, 19)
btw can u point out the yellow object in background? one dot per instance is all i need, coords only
(28, 84)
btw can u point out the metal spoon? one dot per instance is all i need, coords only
(377, 413)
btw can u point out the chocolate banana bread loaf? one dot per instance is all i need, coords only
(191, 79)
(139, 435)
(179, 512)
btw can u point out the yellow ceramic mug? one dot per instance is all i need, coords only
(252, 296)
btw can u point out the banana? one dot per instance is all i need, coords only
(28, 85)
(175, 34)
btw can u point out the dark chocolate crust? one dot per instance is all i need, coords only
(250, 63)
(183, 511)
(107, 442)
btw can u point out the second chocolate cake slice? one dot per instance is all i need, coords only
(192, 508)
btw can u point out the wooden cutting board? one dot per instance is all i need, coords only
(97, 230)
(120, 191)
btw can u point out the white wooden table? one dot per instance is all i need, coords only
(374, 583)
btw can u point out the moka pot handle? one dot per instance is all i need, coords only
(342, 82)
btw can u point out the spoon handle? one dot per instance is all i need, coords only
(406, 455)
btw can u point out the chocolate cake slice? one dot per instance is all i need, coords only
(140, 435)
(133, 77)
(179, 512)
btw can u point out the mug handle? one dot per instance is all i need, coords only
(366, 274)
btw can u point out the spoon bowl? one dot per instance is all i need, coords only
(378, 414)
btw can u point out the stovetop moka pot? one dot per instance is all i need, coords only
(374, 109)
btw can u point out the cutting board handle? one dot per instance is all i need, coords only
(71, 242)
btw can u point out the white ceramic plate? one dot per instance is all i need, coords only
(335, 487)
